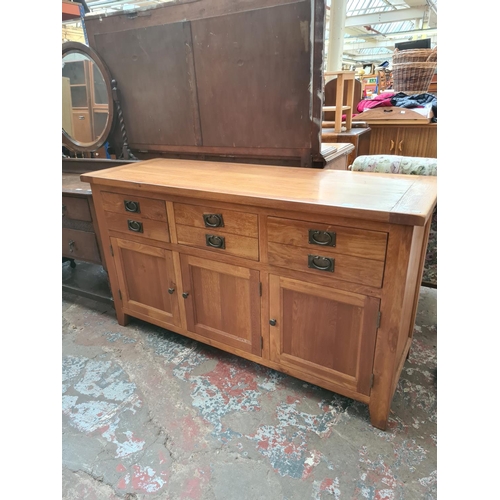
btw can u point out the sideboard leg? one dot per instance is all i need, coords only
(379, 416)
(122, 318)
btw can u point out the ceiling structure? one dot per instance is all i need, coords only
(372, 27)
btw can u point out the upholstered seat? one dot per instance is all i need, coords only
(412, 165)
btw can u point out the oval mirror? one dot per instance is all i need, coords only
(87, 101)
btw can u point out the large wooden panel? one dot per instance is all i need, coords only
(254, 71)
(156, 82)
(223, 302)
(324, 331)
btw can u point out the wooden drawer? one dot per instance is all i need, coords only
(80, 245)
(349, 241)
(231, 244)
(344, 267)
(350, 254)
(147, 228)
(146, 208)
(76, 208)
(225, 221)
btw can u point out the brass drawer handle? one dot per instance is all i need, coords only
(132, 206)
(213, 220)
(320, 263)
(215, 241)
(327, 238)
(135, 226)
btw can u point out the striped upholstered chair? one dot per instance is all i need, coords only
(412, 165)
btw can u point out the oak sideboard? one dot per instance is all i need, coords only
(312, 272)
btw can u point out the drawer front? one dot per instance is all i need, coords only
(146, 208)
(342, 240)
(212, 239)
(217, 219)
(322, 261)
(80, 245)
(76, 208)
(134, 224)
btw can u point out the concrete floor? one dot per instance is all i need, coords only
(149, 414)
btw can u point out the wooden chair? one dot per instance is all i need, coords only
(392, 164)
(330, 99)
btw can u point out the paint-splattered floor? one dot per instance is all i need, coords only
(148, 414)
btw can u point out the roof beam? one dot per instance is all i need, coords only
(391, 16)
(371, 42)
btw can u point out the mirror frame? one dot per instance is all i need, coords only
(69, 141)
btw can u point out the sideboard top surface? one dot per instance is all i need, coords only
(398, 199)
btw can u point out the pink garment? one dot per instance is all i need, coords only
(379, 100)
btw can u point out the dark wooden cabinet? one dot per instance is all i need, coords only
(80, 239)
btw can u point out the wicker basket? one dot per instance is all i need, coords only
(413, 77)
(414, 55)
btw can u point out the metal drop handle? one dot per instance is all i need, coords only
(213, 220)
(81, 117)
(135, 226)
(325, 238)
(320, 263)
(131, 206)
(214, 241)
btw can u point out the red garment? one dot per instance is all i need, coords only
(379, 100)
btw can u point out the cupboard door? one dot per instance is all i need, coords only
(323, 331)
(222, 302)
(383, 140)
(147, 281)
(417, 141)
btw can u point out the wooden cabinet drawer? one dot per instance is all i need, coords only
(146, 208)
(136, 225)
(76, 208)
(350, 254)
(343, 240)
(80, 245)
(217, 219)
(208, 239)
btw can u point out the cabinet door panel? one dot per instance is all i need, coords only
(383, 140)
(417, 141)
(223, 302)
(145, 275)
(324, 331)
